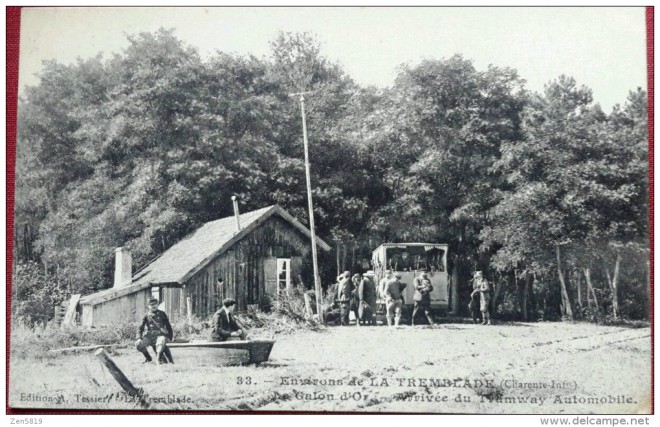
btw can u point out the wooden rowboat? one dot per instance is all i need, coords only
(236, 352)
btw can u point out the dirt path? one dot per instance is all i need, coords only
(455, 368)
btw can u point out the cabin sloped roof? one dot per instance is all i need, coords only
(192, 253)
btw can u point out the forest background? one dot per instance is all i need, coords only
(545, 192)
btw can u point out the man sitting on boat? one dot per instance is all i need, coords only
(154, 331)
(223, 324)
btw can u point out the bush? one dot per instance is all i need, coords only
(289, 317)
(34, 294)
(34, 340)
(589, 314)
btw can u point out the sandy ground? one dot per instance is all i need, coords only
(549, 368)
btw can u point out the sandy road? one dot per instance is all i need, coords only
(450, 368)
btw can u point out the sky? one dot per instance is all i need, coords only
(602, 48)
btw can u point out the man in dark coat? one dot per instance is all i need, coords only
(154, 331)
(422, 296)
(473, 306)
(344, 296)
(355, 297)
(367, 296)
(223, 324)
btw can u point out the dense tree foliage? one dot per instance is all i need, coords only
(545, 192)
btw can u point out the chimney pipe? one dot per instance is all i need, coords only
(234, 200)
(123, 267)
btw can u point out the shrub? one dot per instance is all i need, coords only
(34, 294)
(34, 340)
(287, 317)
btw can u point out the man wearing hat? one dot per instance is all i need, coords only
(367, 295)
(394, 299)
(344, 296)
(422, 296)
(154, 331)
(355, 297)
(223, 324)
(481, 288)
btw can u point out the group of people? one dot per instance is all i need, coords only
(155, 330)
(359, 294)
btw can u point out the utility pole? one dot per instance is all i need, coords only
(317, 279)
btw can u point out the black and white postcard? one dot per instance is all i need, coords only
(332, 209)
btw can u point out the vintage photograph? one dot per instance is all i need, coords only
(332, 209)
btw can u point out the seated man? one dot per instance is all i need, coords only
(223, 324)
(154, 331)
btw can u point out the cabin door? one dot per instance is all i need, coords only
(278, 277)
(283, 278)
(270, 277)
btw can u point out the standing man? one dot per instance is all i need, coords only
(482, 288)
(473, 306)
(154, 331)
(344, 296)
(367, 295)
(422, 296)
(355, 298)
(394, 300)
(382, 285)
(223, 324)
(380, 290)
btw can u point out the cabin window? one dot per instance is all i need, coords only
(155, 292)
(283, 274)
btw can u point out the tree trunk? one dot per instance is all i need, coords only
(516, 286)
(609, 276)
(615, 284)
(353, 260)
(534, 298)
(525, 298)
(587, 277)
(26, 242)
(496, 294)
(578, 283)
(612, 282)
(343, 257)
(338, 259)
(566, 306)
(454, 290)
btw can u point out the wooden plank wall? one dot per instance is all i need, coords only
(172, 300)
(241, 268)
(128, 308)
(87, 316)
(132, 307)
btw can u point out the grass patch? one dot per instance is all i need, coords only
(36, 341)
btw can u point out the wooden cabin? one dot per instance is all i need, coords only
(248, 257)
